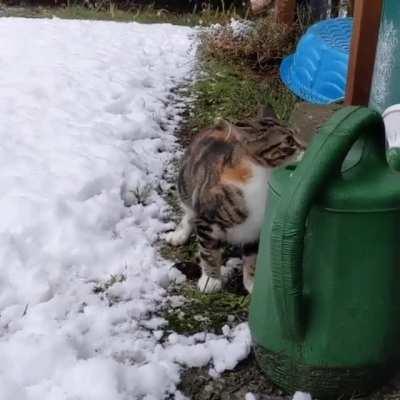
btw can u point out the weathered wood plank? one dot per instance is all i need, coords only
(367, 15)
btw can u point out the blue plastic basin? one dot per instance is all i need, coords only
(317, 71)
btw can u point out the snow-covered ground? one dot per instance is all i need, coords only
(86, 131)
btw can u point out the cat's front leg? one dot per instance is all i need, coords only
(182, 233)
(250, 251)
(210, 238)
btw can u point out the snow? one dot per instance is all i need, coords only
(241, 28)
(86, 132)
(297, 396)
(302, 396)
(237, 29)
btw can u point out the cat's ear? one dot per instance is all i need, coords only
(300, 141)
(232, 131)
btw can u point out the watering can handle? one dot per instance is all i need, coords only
(322, 160)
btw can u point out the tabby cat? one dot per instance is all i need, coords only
(222, 187)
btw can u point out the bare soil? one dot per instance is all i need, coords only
(232, 385)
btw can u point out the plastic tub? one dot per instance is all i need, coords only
(317, 71)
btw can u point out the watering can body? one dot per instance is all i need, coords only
(325, 309)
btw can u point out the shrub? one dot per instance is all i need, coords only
(261, 45)
(171, 5)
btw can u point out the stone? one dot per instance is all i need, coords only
(307, 118)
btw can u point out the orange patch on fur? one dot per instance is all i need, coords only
(240, 173)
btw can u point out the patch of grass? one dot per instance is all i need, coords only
(205, 312)
(147, 14)
(239, 64)
(104, 286)
(140, 194)
(233, 92)
(186, 252)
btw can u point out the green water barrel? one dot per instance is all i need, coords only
(385, 89)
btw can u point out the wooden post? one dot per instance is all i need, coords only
(335, 6)
(258, 6)
(367, 16)
(285, 11)
(318, 9)
(350, 8)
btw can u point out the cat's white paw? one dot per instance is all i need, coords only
(178, 237)
(248, 283)
(249, 270)
(206, 284)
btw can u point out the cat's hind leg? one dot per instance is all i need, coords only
(182, 233)
(249, 264)
(210, 238)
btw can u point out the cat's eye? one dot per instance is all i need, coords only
(276, 154)
(290, 140)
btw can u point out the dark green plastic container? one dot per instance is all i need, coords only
(385, 88)
(325, 310)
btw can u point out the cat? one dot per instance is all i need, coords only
(222, 187)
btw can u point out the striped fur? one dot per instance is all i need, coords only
(222, 186)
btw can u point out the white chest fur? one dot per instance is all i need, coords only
(255, 194)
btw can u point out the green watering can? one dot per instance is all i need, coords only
(325, 309)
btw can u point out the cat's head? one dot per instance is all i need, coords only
(269, 142)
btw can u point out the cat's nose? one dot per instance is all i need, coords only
(289, 151)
